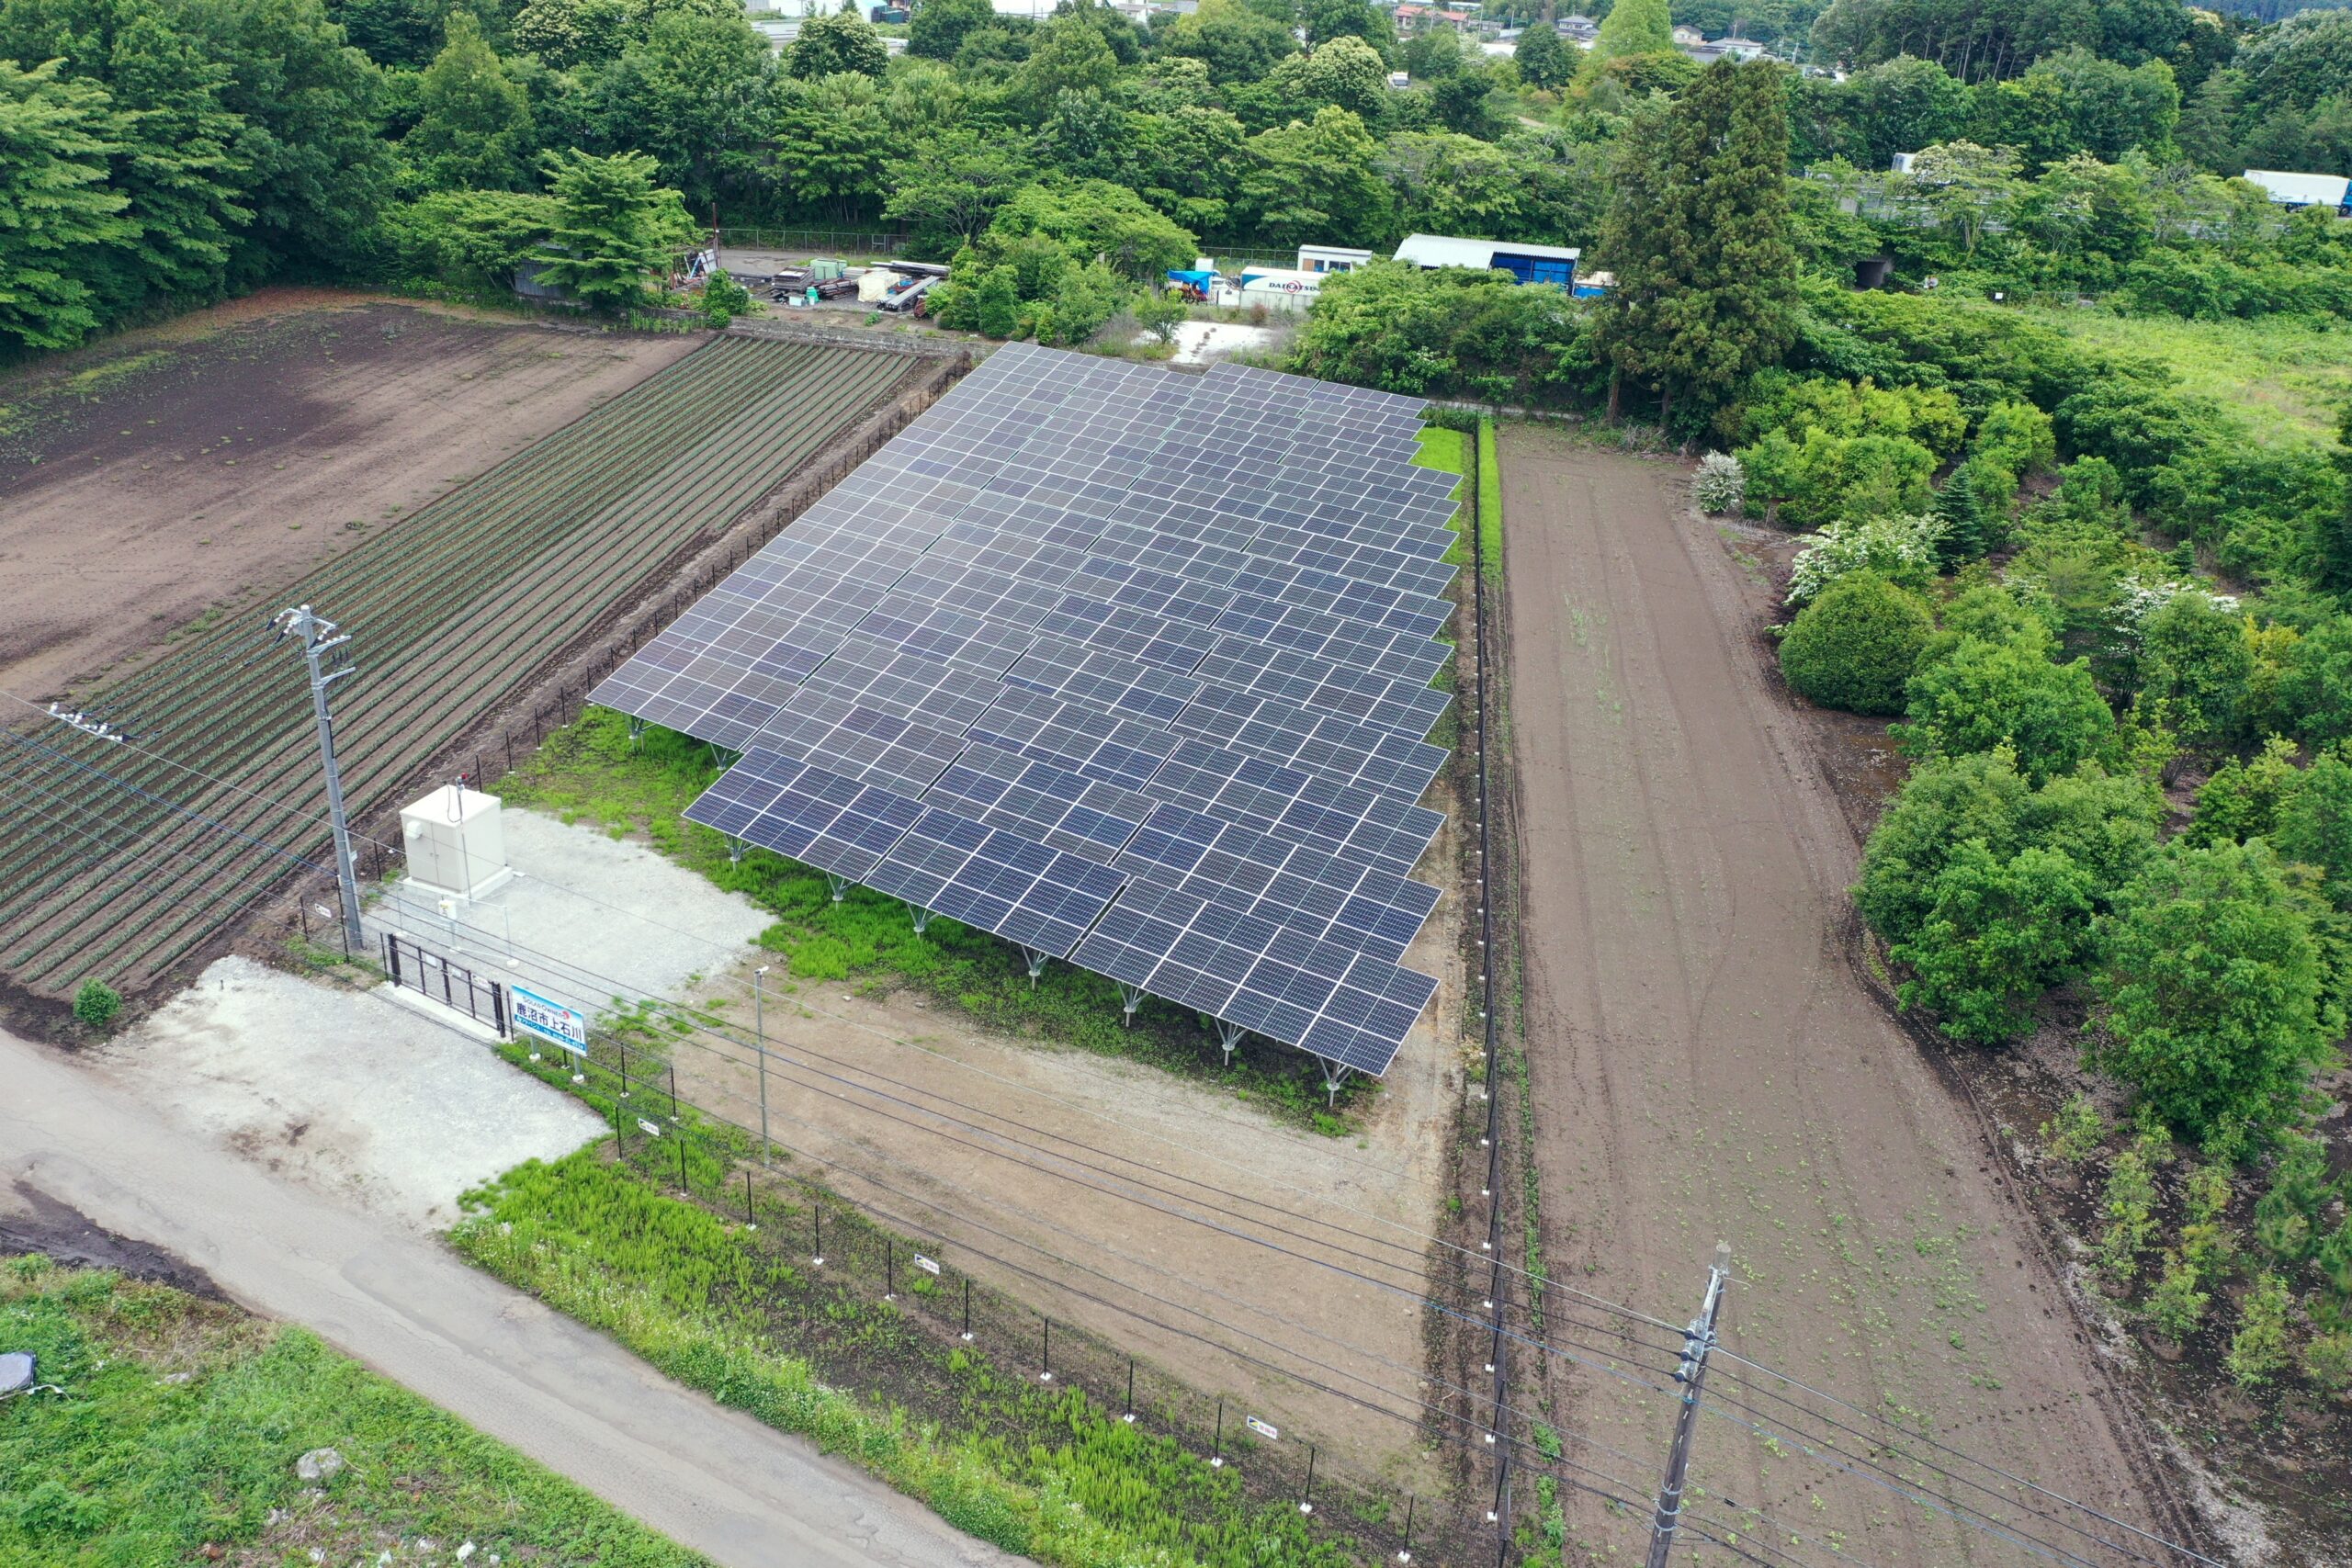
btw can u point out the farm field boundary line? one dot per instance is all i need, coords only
(2158, 1480)
(638, 529)
(747, 458)
(437, 592)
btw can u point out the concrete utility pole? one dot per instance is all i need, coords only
(320, 638)
(1698, 1339)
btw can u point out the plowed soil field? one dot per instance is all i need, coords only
(1704, 1064)
(130, 858)
(167, 472)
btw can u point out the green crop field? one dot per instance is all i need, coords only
(124, 859)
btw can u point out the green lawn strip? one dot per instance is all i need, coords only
(1490, 501)
(1448, 451)
(591, 772)
(181, 1423)
(1029, 1466)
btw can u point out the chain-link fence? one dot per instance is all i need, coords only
(847, 244)
(879, 1306)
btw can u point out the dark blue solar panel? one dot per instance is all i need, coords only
(1116, 664)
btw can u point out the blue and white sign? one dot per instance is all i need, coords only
(550, 1020)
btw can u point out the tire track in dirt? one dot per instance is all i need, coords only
(1703, 1062)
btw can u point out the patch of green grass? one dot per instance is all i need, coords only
(181, 1422)
(1490, 501)
(1033, 1469)
(590, 772)
(1447, 450)
(2288, 380)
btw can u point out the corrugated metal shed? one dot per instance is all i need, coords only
(1440, 250)
(2301, 190)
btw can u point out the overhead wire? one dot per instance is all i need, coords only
(1568, 1350)
(1559, 1347)
(738, 983)
(612, 986)
(1910, 1437)
(142, 857)
(908, 1226)
(1619, 1308)
(23, 741)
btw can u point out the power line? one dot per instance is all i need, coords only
(1547, 1347)
(1824, 1449)
(1962, 1454)
(114, 855)
(609, 986)
(910, 1228)
(22, 740)
(1484, 1259)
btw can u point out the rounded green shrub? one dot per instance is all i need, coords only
(97, 1003)
(1856, 645)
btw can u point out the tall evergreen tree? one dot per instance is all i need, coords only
(1961, 513)
(1699, 237)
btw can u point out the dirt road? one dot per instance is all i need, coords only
(1704, 1064)
(708, 1478)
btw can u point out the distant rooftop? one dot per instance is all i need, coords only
(1441, 250)
(2300, 190)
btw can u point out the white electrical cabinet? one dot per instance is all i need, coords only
(455, 847)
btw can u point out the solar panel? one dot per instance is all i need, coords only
(807, 813)
(999, 881)
(1123, 665)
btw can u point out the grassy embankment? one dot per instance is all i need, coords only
(735, 1309)
(180, 1424)
(2288, 380)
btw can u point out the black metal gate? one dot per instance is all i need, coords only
(452, 985)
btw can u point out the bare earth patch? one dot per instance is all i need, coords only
(936, 1121)
(1705, 1064)
(177, 471)
(321, 1083)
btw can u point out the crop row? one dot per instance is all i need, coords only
(133, 857)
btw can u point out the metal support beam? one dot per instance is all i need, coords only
(1130, 999)
(636, 733)
(734, 849)
(1228, 1036)
(923, 918)
(1036, 963)
(1334, 1075)
(839, 883)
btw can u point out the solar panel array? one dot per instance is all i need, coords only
(1130, 667)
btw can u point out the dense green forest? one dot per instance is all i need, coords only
(2108, 611)
(158, 153)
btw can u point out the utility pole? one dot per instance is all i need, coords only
(320, 638)
(1697, 1340)
(759, 1022)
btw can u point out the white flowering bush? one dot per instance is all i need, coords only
(1721, 484)
(2137, 598)
(1901, 550)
